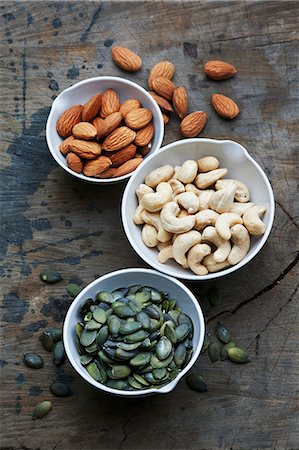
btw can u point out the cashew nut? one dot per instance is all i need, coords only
(241, 243)
(182, 245)
(208, 163)
(162, 245)
(195, 257)
(222, 200)
(240, 208)
(204, 180)
(252, 220)
(204, 218)
(149, 235)
(204, 199)
(191, 188)
(183, 213)
(242, 194)
(189, 201)
(224, 222)
(212, 265)
(210, 234)
(176, 171)
(141, 190)
(165, 254)
(188, 171)
(137, 219)
(163, 173)
(155, 201)
(177, 187)
(154, 219)
(172, 223)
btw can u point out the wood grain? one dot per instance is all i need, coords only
(49, 218)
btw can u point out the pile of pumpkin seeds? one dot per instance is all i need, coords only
(133, 338)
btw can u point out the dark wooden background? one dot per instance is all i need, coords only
(49, 218)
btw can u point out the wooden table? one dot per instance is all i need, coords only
(49, 218)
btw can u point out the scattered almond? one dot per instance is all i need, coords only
(74, 162)
(180, 101)
(165, 118)
(144, 136)
(119, 138)
(129, 105)
(164, 87)
(123, 155)
(85, 149)
(219, 70)
(92, 107)
(110, 103)
(109, 124)
(138, 118)
(64, 146)
(126, 59)
(193, 124)
(96, 166)
(162, 102)
(109, 173)
(225, 106)
(84, 130)
(161, 69)
(128, 167)
(68, 119)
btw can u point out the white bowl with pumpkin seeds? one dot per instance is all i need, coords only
(185, 305)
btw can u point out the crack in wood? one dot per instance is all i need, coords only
(292, 219)
(125, 424)
(94, 18)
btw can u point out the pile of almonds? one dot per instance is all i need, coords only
(105, 138)
(175, 98)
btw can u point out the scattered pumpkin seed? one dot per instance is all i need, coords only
(73, 289)
(222, 332)
(33, 360)
(58, 353)
(206, 342)
(50, 276)
(41, 410)
(214, 351)
(60, 390)
(47, 341)
(225, 348)
(196, 382)
(238, 355)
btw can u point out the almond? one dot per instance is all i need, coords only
(74, 162)
(165, 118)
(110, 103)
(126, 59)
(108, 173)
(138, 155)
(123, 155)
(162, 102)
(145, 149)
(92, 107)
(109, 124)
(219, 70)
(119, 138)
(129, 105)
(225, 106)
(128, 167)
(96, 166)
(85, 149)
(98, 123)
(161, 69)
(144, 136)
(64, 146)
(193, 124)
(163, 87)
(84, 130)
(68, 119)
(180, 101)
(138, 118)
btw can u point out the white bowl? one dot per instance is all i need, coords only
(240, 166)
(80, 93)
(128, 277)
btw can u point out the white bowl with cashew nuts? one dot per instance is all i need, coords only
(198, 209)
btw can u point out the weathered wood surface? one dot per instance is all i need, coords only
(50, 218)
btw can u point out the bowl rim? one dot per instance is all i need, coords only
(188, 276)
(200, 322)
(49, 127)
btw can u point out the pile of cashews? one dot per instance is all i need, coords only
(196, 217)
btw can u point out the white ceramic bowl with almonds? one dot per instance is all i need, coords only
(107, 145)
(221, 240)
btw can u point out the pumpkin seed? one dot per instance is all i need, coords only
(222, 332)
(143, 296)
(92, 348)
(153, 336)
(105, 296)
(206, 342)
(213, 295)
(183, 318)
(86, 306)
(158, 364)
(119, 372)
(73, 289)
(113, 325)
(85, 359)
(238, 355)
(214, 351)
(157, 383)
(134, 383)
(50, 276)
(93, 325)
(156, 296)
(94, 372)
(104, 306)
(169, 332)
(172, 303)
(163, 348)
(102, 336)
(165, 305)
(152, 312)
(87, 337)
(159, 374)
(196, 382)
(134, 289)
(110, 352)
(88, 317)
(174, 315)
(47, 341)
(182, 331)
(124, 311)
(173, 374)
(99, 315)
(125, 355)
(104, 358)
(58, 353)
(140, 359)
(56, 333)
(117, 384)
(154, 325)
(33, 360)
(144, 319)
(117, 294)
(180, 355)
(136, 337)
(129, 347)
(140, 379)
(225, 348)
(143, 370)
(60, 390)
(129, 327)
(79, 329)
(41, 410)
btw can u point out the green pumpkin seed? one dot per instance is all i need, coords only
(174, 315)
(33, 360)
(146, 343)
(47, 341)
(94, 372)
(104, 358)
(214, 296)
(102, 336)
(165, 305)
(183, 318)
(117, 384)
(182, 332)
(153, 336)
(105, 296)
(154, 325)
(125, 355)
(134, 383)
(99, 315)
(88, 337)
(173, 374)
(93, 325)
(92, 348)
(129, 347)
(119, 372)
(104, 306)
(143, 370)
(88, 317)
(58, 353)
(156, 363)
(222, 332)
(86, 306)
(238, 355)
(196, 382)
(163, 348)
(214, 351)
(144, 319)
(124, 311)
(60, 390)
(134, 289)
(157, 383)
(50, 276)
(156, 296)
(225, 348)
(113, 325)
(110, 352)
(56, 333)
(159, 374)
(136, 307)
(73, 289)
(152, 312)
(85, 359)
(206, 342)
(140, 379)
(129, 327)
(180, 355)
(143, 296)
(41, 410)
(136, 337)
(140, 359)
(117, 294)
(172, 303)
(169, 332)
